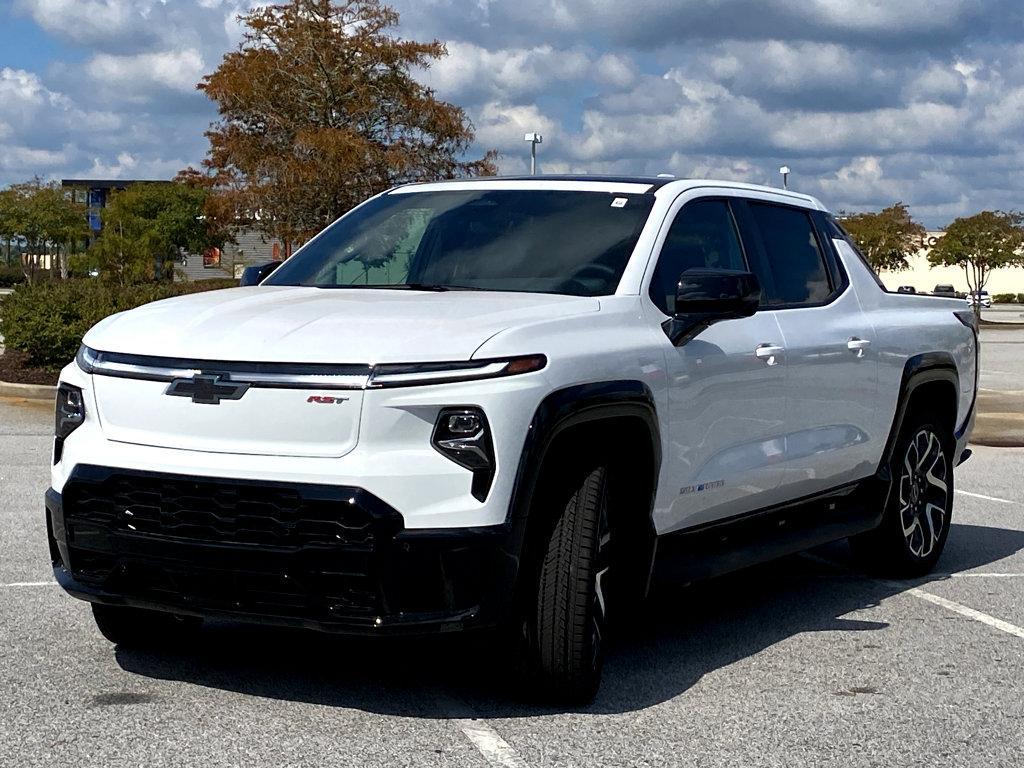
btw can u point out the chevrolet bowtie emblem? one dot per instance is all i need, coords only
(207, 388)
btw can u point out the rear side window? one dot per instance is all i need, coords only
(793, 253)
(703, 234)
(835, 230)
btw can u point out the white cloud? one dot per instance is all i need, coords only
(869, 101)
(144, 73)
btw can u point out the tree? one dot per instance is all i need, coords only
(887, 238)
(979, 244)
(318, 111)
(46, 218)
(10, 225)
(147, 227)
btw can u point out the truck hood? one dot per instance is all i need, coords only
(297, 324)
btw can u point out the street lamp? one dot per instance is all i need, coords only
(785, 177)
(534, 139)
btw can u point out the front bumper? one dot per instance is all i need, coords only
(333, 558)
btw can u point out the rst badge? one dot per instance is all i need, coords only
(325, 399)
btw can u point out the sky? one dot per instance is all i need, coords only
(867, 101)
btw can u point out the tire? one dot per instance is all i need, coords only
(127, 626)
(917, 517)
(566, 624)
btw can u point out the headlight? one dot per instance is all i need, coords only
(463, 435)
(70, 413)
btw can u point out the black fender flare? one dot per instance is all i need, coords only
(918, 370)
(570, 407)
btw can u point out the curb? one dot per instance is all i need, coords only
(28, 391)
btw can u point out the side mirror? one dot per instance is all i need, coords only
(254, 274)
(706, 296)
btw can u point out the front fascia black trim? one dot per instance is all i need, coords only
(477, 559)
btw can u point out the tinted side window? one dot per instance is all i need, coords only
(793, 254)
(702, 235)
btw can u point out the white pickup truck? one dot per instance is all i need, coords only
(509, 403)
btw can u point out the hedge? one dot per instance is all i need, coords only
(1004, 298)
(10, 275)
(47, 320)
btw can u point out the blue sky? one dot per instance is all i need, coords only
(868, 101)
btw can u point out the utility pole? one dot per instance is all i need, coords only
(534, 139)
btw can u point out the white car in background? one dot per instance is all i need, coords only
(509, 403)
(981, 298)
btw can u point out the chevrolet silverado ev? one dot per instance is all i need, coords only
(509, 404)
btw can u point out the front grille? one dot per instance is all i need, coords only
(220, 512)
(294, 550)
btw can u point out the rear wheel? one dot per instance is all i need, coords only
(916, 522)
(127, 626)
(566, 624)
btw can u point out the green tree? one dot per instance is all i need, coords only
(318, 110)
(146, 229)
(886, 238)
(47, 219)
(979, 244)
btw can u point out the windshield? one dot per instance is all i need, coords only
(545, 241)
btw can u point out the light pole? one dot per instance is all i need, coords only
(785, 177)
(534, 139)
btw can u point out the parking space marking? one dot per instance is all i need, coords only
(924, 595)
(985, 496)
(966, 611)
(489, 743)
(29, 584)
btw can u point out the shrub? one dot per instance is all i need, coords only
(10, 275)
(1004, 298)
(47, 321)
(1020, 298)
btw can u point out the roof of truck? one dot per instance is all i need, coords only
(636, 183)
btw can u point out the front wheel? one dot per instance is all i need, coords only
(566, 625)
(916, 521)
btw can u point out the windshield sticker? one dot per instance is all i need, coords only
(619, 203)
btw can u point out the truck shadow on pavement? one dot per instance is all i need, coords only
(686, 634)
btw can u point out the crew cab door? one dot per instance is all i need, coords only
(831, 359)
(726, 399)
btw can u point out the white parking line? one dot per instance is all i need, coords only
(959, 608)
(29, 584)
(489, 743)
(985, 496)
(966, 611)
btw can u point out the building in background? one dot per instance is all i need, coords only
(924, 277)
(250, 246)
(94, 194)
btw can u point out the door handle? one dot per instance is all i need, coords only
(769, 353)
(858, 345)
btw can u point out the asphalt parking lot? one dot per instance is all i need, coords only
(801, 662)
